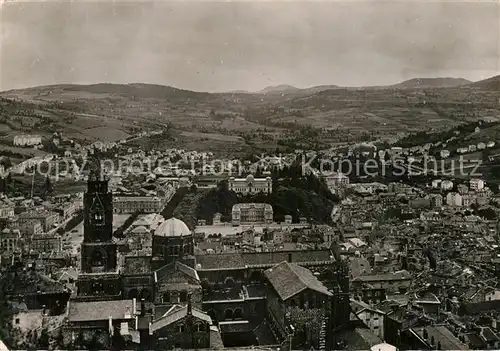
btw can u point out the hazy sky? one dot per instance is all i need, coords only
(209, 46)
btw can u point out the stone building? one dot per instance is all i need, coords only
(183, 327)
(251, 185)
(298, 299)
(99, 277)
(172, 240)
(27, 140)
(46, 243)
(142, 204)
(251, 213)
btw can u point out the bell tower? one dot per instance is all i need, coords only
(99, 276)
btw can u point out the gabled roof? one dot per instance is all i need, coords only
(100, 310)
(244, 260)
(288, 279)
(176, 313)
(173, 267)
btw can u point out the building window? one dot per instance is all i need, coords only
(17, 321)
(200, 327)
(238, 313)
(166, 297)
(183, 296)
(228, 314)
(181, 328)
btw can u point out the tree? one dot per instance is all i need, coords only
(93, 344)
(43, 340)
(48, 189)
(487, 213)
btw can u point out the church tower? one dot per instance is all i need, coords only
(99, 277)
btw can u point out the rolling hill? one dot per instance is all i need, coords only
(492, 84)
(283, 88)
(113, 110)
(431, 83)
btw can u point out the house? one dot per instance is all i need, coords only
(372, 317)
(9, 241)
(391, 282)
(296, 297)
(454, 199)
(436, 200)
(47, 218)
(476, 184)
(100, 319)
(429, 216)
(444, 153)
(24, 319)
(184, 327)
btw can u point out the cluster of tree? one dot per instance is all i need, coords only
(8, 153)
(295, 177)
(187, 208)
(72, 223)
(424, 137)
(297, 202)
(168, 211)
(128, 222)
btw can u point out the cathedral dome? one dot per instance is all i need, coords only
(172, 227)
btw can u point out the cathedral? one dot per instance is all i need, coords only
(153, 297)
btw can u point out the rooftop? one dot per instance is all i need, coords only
(289, 279)
(255, 259)
(101, 310)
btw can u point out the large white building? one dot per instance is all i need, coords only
(454, 199)
(143, 204)
(476, 184)
(251, 185)
(27, 140)
(334, 179)
(247, 213)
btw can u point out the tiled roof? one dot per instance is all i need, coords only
(30, 282)
(242, 260)
(384, 277)
(288, 279)
(176, 313)
(489, 335)
(137, 265)
(99, 310)
(176, 266)
(442, 335)
(476, 341)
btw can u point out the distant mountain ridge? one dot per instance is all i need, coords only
(440, 82)
(492, 83)
(282, 88)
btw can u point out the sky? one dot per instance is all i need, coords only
(226, 46)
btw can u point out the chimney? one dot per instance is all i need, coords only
(143, 307)
(189, 307)
(290, 257)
